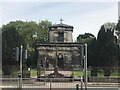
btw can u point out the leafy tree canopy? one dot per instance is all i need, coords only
(17, 33)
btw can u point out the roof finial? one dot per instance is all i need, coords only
(61, 21)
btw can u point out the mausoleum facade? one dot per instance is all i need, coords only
(61, 51)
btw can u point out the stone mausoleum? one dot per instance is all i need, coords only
(60, 51)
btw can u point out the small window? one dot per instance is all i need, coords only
(61, 37)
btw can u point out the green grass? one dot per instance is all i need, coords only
(33, 72)
(77, 73)
(100, 74)
(115, 74)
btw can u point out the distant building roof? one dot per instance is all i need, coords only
(61, 25)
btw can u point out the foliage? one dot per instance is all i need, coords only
(110, 25)
(118, 34)
(18, 33)
(102, 52)
(85, 38)
(107, 47)
(10, 39)
(118, 28)
(91, 41)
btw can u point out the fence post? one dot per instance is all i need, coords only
(81, 83)
(85, 67)
(50, 84)
(21, 57)
(77, 86)
(19, 77)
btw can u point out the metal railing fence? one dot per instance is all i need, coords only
(39, 83)
(51, 84)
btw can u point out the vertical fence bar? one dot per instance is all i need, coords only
(81, 83)
(50, 84)
(1, 57)
(85, 67)
(21, 66)
(77, 86)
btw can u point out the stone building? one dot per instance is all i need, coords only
(61, 33)
(61, 51)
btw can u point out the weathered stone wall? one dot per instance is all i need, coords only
(68, 36)
(70, 56)
(53, 35)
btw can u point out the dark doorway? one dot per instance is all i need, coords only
(60, 61)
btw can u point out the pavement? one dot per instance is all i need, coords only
(35, 85)
(60, 85)
(100, 88)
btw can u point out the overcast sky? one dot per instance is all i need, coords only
(84, 16)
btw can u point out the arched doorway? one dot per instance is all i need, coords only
(60, 61)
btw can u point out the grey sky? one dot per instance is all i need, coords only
(119, 10)
(84, 16)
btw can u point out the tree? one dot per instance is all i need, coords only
(43, 35)
(10, 39)
(118, 31)
(118, 35)
(107, 47)
(90, 39)
(17, 33)
(85, 38)
(110, 25)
